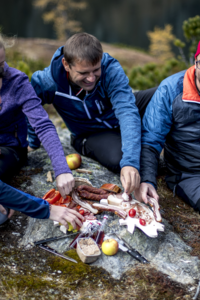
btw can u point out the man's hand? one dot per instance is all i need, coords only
(130, 179)
(4, 211)
(64, 215)
(145, 189)
(65, 183)
(11, 212)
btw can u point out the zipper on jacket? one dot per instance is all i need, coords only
(98, 106)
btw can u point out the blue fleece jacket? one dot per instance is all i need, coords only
(110, 105)
(25, 203)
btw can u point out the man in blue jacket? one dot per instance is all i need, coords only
(172, 121)
(90, 91)
(13, 199)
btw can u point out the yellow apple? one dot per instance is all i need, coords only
(73, 161)
(110, 247)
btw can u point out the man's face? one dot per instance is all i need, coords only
(2, 61)
(84, 74)
(197, 71)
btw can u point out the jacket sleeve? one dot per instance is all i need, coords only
(25, 203)
(39, 120)
(156, 124)
(123, 102)
(44, 85)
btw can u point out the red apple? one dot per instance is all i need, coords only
(110, 247)
(73, 161)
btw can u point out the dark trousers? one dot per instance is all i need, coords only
(105, 146)
(186, 186)
(11, 160)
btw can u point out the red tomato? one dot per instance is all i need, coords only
(81, 212)
(142, 222)
(132, 213)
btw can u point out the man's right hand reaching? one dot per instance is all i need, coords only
(64, 215)
(145, 189)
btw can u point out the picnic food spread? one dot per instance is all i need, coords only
(90, 201)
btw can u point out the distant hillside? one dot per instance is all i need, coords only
(44, 49)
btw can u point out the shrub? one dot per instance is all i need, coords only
(22, 63)
(141, 78)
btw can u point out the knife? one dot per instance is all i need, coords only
(46, 248)
(124, 246)
(54, 238)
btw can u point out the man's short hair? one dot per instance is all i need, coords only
(83, 47)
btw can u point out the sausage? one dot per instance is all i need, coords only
(91, 196)
(83, 203)
(91, 189)
(72, 204)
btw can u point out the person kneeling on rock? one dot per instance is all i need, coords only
(18, 100)
(172, 121)
(11, 198)
(91, 92)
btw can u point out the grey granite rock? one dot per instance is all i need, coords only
(167, 253)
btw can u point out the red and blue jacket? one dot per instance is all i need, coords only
(172, 122)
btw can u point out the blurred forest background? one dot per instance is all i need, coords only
(152, 39)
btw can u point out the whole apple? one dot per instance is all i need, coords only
(73, 161)
(110, 247)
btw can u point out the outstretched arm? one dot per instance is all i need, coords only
(119, 92)
(156, 124)
(36, 207)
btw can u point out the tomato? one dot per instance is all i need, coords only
(81, 212)
(142, 222)
(132, 213)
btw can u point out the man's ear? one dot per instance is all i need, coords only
(65, 65)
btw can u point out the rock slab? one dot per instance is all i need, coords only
(167, 253)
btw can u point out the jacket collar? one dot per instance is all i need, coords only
(190, 92)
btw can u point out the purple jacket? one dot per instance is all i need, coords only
(17, 99)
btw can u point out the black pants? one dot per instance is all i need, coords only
(11, 160)
(105, 147)
(186, 186)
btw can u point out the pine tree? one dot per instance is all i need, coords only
(60, 13)
(160, 42)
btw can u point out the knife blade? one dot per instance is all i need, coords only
(54, 238)
(46, 248)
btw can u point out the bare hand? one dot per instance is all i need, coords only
(145, 190)
(65, 182)
(64, 215)
(3, 210)
(130, 179)
(11, 212)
